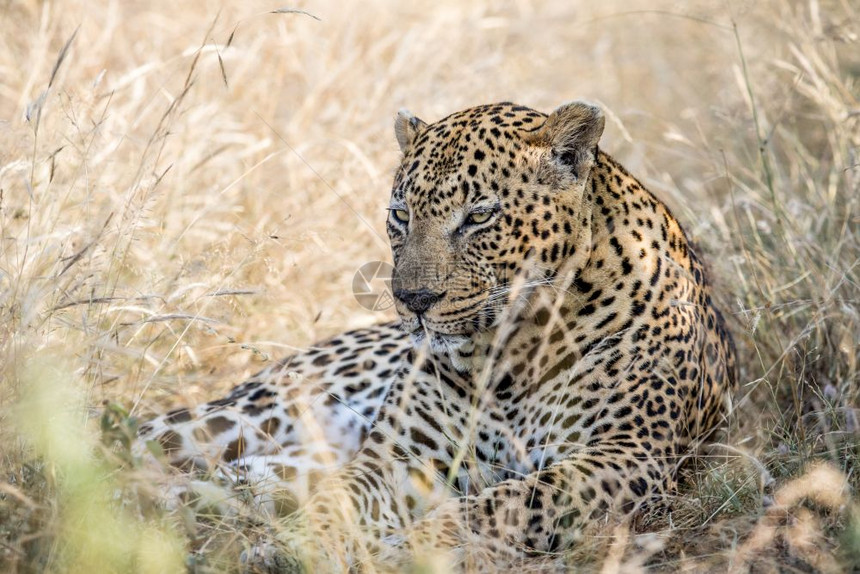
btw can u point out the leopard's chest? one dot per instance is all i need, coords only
(513, 438)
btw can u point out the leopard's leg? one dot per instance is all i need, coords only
(247, 457)
(266, 486)
(311, 410)
(542, 514)
(258, 418)
(276, 485)
(548, 511)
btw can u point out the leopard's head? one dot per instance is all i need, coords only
(487, 202)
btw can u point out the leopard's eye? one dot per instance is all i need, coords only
(400, 215)
(478, 217)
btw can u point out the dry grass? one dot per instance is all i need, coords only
(187, 188)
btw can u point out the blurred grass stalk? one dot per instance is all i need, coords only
(95, 532)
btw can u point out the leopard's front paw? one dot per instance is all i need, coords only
(271, 558)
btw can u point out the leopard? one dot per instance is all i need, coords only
(559, 354)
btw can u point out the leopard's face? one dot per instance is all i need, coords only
(485, 203)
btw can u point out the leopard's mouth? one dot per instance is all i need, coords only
(426, 325)
(445, 337)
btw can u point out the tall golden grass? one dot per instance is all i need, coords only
(186, 190)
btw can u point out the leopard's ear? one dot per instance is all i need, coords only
(572, 132)
(406, 127)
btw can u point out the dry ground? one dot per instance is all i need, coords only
(186, 189)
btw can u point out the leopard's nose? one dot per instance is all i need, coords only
(418, 300)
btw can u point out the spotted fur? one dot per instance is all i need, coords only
(558, 354)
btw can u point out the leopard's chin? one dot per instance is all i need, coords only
(437, 342)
